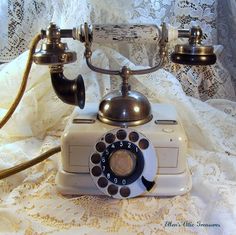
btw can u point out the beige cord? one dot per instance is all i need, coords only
(17, 100)
(15, 169)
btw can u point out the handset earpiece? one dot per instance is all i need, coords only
(55, 54)
(194, 53)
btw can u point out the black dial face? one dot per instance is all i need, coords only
(122, 162)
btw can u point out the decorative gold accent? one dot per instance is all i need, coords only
(194, 49)
(194, 52)
(54, 51)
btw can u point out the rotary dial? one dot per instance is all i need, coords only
(123, 163)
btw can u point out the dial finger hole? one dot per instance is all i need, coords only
(95, 158)
(143, 144)
(112, 189)
(110, 138)
(125, 191)
(102, 182)
(121, 134)
(100, 146)
(96, 171)
(133, 136)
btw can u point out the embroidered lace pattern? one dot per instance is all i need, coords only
(29, 201)
(25, 18)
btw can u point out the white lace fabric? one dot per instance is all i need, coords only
(21, 20)
(29, 201)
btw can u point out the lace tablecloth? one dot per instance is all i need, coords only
(29, 202)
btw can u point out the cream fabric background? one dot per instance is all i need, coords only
(29, 202)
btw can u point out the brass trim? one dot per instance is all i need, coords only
(194, 49)
(56, 53)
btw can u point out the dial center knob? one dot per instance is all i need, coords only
(122, 162)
